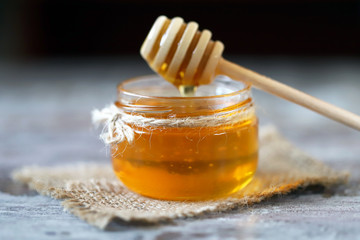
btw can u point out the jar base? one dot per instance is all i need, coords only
(184, 194)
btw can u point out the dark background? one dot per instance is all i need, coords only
(61, 59)
(80, 28)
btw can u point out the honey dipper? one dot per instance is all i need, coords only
(187, 57)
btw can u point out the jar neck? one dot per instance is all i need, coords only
(149, 96)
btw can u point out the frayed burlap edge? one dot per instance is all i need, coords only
(92, 192)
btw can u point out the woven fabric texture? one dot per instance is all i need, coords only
(93, 193)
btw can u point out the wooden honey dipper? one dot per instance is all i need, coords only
(188, 58)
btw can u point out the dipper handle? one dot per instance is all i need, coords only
(293, 95)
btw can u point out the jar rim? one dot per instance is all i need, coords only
(121, 88)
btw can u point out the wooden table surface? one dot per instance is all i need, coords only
(45, 120)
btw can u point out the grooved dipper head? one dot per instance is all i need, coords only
(180, 53)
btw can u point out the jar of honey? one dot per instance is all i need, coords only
(186, 148)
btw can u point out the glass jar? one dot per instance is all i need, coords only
(194, 148)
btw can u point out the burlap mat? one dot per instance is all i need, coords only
(92, 192)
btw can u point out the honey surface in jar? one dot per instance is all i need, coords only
(189, 163)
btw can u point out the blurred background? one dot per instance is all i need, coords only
(92, 28)
(61, 59)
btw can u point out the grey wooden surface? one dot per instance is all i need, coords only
(45, 120)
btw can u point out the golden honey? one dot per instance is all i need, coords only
(185, 161)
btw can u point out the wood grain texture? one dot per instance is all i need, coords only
(45, 120)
